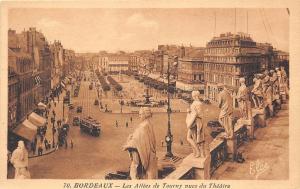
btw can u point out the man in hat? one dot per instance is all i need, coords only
(226, 106)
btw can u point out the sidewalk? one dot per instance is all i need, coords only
(48, 134)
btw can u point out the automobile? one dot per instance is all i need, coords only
(79, 109)
(90, 126)
(96, 103)
(76, 121)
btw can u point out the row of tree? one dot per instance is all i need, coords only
(114, 83)
(105, 86)
(158, 84)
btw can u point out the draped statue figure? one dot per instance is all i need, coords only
(141, 146)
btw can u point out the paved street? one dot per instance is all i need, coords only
(93, 157)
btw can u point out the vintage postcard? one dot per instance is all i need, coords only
(168, 94)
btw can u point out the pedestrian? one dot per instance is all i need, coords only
(131, 119)
(40, 150)
(126, 124)
(54, 103)
(181, 142)
(72, 144)
(46, 144)
(32, 147)
(116, 123)
(49, 145)
(66, 144)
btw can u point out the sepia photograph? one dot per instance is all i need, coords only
(148, 93)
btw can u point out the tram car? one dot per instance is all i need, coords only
(90, 126)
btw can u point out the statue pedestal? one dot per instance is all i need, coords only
(231, 145)
(259, 116)
(231, 148)
(200, 165)
(250, 126)
(192, 168)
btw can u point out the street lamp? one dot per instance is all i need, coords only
(169, 136)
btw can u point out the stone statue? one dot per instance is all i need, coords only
(243, 98)
(268, 95)
(275, 85)
(19, 159)
(279, 76)
(195, 133)
(257, 92)
(226, 105)
(283, 74)
(265, 80)
(141, 146)
(284, 80)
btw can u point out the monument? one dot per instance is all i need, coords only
(195, 133)
(257, 92)
(19, 159)
(244, 104)
(268, 96)
(226, 105)
(225, 118)
(243, 98)
(141, 146)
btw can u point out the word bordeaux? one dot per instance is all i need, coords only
(93, 185)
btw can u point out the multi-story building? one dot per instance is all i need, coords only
(133, 63)
(190, 74)
(103, 63)
(13, 91)
(22, 86)
(117, 63)
(69, 61)
(57, 53)
(226, 59)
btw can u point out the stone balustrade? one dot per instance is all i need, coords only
(221, 149)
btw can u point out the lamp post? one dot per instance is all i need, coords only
(169, 136)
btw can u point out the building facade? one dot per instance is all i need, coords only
(190, 75)
(226, 59)
(117, 64)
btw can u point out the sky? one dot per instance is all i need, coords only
(93, 30)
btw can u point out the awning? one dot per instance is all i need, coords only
(66, 80)
(42, 105)
(26, 130)
(37, 120)
(62, 84)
